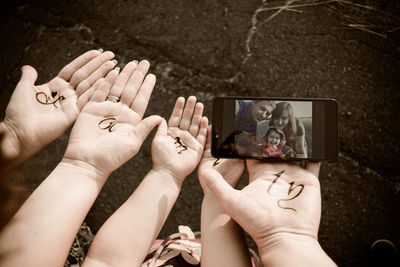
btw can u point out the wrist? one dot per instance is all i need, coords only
(85, 169)
(281, 239)
(167, 177)
(208, 195)
(303, 250)
(10, 145)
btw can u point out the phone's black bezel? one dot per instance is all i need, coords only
(331, 127)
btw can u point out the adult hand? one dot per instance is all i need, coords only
(38, 114)
(282, 201)
(230, 169)
(107, 133)
(178, 146)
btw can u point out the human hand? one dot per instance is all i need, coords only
(107, 133)
(281, 201)
(178, 146)
(230, 169)
(38, 114)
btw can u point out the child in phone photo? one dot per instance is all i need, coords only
(275, 140)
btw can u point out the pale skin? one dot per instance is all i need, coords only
(274, 139)
(126, 237)
(259, 111)
(29, 124)
(222, 240)
(285, 231)
(42, 231)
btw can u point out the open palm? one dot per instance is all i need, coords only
(178, 146)
(281, 198)
(107, 134)
(38, 114)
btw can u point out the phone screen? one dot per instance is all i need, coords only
(272, 128)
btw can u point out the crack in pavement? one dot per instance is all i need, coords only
(254, 21)
(255, 25)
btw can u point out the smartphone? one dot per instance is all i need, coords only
(275, 128)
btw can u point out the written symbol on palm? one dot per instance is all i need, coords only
(180, 144)
(292, 187)
(216, 162)
(47, 99)
(107, 124)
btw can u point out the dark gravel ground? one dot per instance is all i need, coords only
(208, 48)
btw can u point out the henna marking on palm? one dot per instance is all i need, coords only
(274, 181)
(49, 100)
(178, 141)
(107, 124)
(216, 162)
(292, 187)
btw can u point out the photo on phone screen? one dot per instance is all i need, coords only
(284, 129)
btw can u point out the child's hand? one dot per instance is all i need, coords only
(230, 169)
(107, 133)
(38, 114)
(178, 146)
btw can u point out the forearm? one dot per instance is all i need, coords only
(43, 229)
(125, 238)
(292, 250)
(223, 242)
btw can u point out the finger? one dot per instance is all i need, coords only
(208, 140)
(95, 76)
(85, 97)
(141, 100)
(176, 114)
(202, 134)
(104, 88)
(162, 128)
(67, 72)
(197, 115)
(313, 167)
(123, 77)
(87, 69)
(226, 195)
(134, 83)
(29, 75)
(143, 129)
(188, 113)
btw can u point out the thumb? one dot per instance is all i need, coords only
(162, 128)
(226, 195)
(29, 74)
(144, 128)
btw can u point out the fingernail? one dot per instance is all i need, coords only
(114, 61)
(101, 50)
(135, 61)
(117, 69)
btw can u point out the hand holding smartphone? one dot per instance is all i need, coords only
(275, 128)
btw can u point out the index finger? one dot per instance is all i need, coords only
(141, 100)
(67, 72)
(176, 115)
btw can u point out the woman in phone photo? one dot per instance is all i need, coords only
(283, 119)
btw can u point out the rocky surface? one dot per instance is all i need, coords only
(208, 48)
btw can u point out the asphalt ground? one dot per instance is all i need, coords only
(333, 49)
